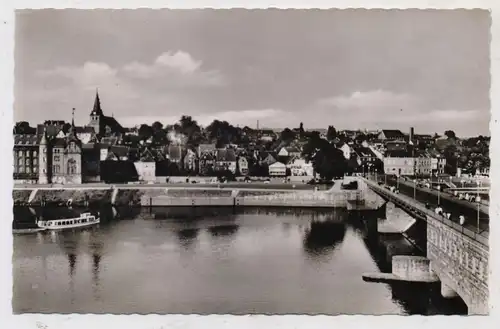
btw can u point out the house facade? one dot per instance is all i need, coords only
(26, 148)
(277, 169)
(299, 167)
(243, 166)
(423, 166)
(399, 165)
(225, 159)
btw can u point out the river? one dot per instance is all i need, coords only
(214, 261)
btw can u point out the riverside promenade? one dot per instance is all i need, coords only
(227, 194)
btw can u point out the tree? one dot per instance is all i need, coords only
(145, 132)
(287, 135)
(157, 126)
(450, 154)
(450, 134)
(66, 127)
(331, 133)
(328, 161)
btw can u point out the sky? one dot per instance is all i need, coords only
(366, 69)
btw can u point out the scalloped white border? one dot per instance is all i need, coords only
(7, 8)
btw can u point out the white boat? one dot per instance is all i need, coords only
(85, 219)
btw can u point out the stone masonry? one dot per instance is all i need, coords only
(461, 264)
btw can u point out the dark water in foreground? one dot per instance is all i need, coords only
(213, 261)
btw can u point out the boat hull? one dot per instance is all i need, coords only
(66, 227)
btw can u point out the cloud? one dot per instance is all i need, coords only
(180, 60)
(178, 68)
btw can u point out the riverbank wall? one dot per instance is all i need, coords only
(150, 196)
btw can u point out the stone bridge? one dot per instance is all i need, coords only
(459, 255)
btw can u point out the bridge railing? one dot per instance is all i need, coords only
(482, 236)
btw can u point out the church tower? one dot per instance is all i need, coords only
(96, 115)
(43, 160)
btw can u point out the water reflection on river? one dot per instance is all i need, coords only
(214, 261)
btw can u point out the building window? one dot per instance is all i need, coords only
(35, 154)
(71, 167)
(56, 169)
(28, 170)
(35, 169)
(21, 169)
(44, 150)
(57, 158)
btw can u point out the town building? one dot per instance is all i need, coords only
(206, 163)
(399, 164)
(225, 160)
(277, 169)
(243, 165)
(26, 148)
(101, 124)
(423, 166)
(146, 166)
(391, 135)
(300, 167)
(206, 148)
(290, 151)
(190, 162)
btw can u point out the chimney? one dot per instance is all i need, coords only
(412, 134)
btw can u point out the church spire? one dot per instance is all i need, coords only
(97, 105)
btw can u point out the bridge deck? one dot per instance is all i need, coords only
(419, 210)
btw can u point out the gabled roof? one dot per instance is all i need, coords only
(277, 164)
(112, 123)
(84, 130)
(393, 133)
(109, 141)
(147, 156)
(363, 151)
(120, 151)
(207, 157)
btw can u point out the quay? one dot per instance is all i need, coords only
(457, 256)
(234, 195)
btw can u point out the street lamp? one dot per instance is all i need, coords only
(415, 189)
(477, 201)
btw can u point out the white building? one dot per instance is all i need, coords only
(277, 169)
(299, 167)
(400, 166)
(146, 171)
(346, 149)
